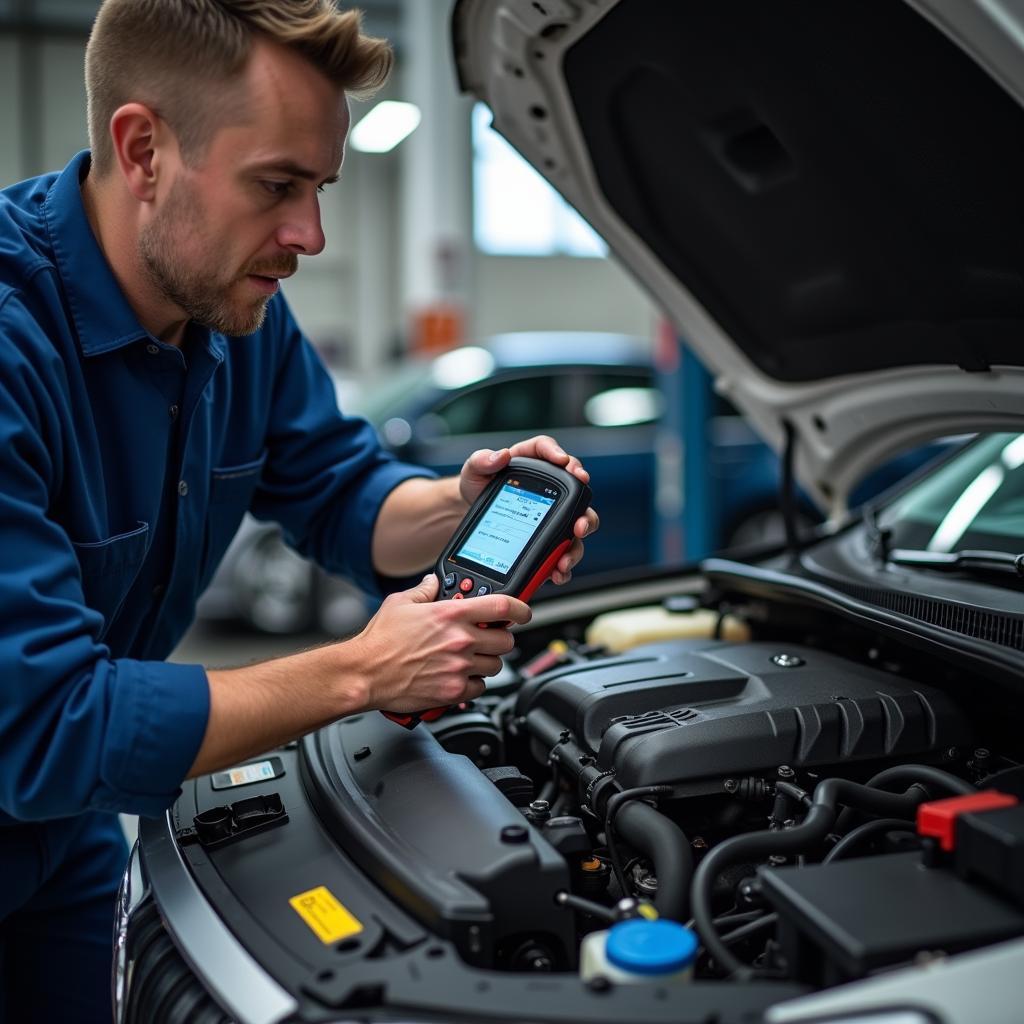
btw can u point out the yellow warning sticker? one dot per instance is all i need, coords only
(325, 915)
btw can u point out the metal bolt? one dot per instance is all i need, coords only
(626, 908)
(787, 660)
(785, 772)
(647, 884)
(749, 892)
(731, 785)
(540, 810)
(953, 753)
(699, 843)
(776, 860)
(485, 750)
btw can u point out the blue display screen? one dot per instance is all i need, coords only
(508, 525)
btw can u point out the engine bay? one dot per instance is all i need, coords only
(763, 792)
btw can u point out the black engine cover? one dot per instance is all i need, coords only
(682, 710)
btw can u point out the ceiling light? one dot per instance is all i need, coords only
(385, 126)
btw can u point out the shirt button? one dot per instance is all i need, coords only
(174, 412)
(182, 488)
(152, 349)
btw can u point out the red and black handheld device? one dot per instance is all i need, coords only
(509, 541)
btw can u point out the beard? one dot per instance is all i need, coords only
(200, 286)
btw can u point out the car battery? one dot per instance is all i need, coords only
(843, 921)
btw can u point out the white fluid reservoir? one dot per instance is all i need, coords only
(640, 951)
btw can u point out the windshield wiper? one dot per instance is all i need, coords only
(879, 537)
(960, 561)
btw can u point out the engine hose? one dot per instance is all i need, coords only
(877, 826)
(755, 846)
(668, 849)
(904, 774)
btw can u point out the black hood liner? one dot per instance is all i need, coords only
(836, 182)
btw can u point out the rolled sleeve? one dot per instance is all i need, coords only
(157, 722)
(358, 517)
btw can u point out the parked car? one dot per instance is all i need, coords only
(598, 393)
(595, 391)
(814, 757)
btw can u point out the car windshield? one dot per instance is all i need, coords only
(975, 501)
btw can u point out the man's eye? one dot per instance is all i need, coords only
(277, 188)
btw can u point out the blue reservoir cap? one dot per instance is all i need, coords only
(651, 947)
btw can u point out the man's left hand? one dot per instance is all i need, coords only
(483, 464)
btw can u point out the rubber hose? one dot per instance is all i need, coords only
(668, 849)
(877, 826)
(757, 845)
(904, 774)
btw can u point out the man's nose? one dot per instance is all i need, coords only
(302, 232)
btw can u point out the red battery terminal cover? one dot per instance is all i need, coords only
(937, 819)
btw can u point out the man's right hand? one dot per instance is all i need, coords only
(421, 653)
(415, 653)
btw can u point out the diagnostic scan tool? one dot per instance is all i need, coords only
(510, 540)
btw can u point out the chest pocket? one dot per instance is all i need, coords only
(231, 491)
(109, 567)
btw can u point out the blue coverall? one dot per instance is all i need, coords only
(125, 467)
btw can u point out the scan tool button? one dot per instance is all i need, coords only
(482, 590)
(449, 580)
(466, 584)
(458, 597)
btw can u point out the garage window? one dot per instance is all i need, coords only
(516, 212)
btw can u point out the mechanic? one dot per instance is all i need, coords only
(154, 387)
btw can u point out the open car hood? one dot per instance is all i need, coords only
(826, 198)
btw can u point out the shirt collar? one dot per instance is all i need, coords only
(103, 318)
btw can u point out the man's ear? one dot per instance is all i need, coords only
(138, 134)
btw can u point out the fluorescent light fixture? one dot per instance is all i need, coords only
(462, 367)
(385, 126)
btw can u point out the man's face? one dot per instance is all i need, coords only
(225, 230)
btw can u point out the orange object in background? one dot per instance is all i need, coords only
(437, 328)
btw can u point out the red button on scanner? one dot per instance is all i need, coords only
(458, 597)
(937, 819)
(466, 584)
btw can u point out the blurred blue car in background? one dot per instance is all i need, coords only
(598, 393)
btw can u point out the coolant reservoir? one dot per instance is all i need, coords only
(639, 951)
(623, 630)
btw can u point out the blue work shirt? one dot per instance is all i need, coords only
(125, 467)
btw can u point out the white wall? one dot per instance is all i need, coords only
(558, 293)
(62, 103)
(352, 295)
(10, 114)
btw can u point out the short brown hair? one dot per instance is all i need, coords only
(171, 54)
